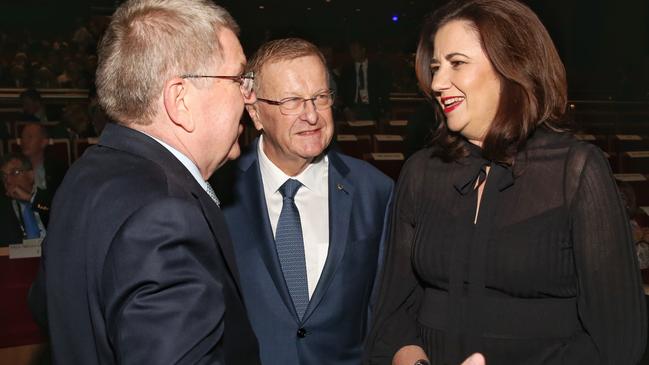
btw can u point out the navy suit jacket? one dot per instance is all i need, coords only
(138, 266)
(334, 326)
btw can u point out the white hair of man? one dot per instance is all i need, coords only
(281, 50)
(151, 41)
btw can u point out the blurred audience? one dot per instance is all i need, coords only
(50, 62)
(98, 118)
(75, 120)
(33, 108)
(48, 171)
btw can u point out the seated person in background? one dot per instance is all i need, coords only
(639, 222)
(24, 215)
(76, 122)
(98, 117)
(33, 108)
(48, 172)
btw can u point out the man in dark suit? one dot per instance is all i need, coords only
(24, 208)
(138, 266)
(365, 86)
(309, 221)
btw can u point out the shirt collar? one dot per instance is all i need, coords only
(189, 165)
(274, 177)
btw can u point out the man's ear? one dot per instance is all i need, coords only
(176, 99)
(253, 112)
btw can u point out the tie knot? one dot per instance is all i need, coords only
(289, 188)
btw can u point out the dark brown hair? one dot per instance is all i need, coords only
(533, 79)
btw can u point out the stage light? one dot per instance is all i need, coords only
(395, 18)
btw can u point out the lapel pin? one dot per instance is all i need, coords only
(341, 187)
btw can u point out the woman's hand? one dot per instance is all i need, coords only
(475, 359)
(408, 355)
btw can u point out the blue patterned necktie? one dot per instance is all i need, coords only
(29, 221)
(290, 247)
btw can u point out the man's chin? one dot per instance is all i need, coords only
(235, 152)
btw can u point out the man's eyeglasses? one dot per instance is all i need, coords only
(296, 105)
(245, 81)
(14, 172)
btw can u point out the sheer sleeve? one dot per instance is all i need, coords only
(611, 304)
(399, 298)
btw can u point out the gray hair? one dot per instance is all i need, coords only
(281, 50)
(151, 41)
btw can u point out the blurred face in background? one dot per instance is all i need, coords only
(15, 178)
(33, 140)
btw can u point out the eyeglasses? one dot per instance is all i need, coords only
(296, 105)
(14, 172)
(245, 81)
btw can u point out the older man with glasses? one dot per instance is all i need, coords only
(138, 266)
(24, 208)
(307, 221)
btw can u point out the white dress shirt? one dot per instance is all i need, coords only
(39, 177)
(364, 92)
(312, 201)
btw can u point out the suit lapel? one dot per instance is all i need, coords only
(220, 231)
(256, 212)
(341, 196)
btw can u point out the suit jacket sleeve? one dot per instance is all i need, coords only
(400, 293)
(381, 258)
(162, 287)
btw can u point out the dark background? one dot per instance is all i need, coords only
(604, 43)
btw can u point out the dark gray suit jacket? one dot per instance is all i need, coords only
(138, 266)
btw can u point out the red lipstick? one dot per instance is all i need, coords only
(457, 100)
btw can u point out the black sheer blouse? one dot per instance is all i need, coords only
(546, 275)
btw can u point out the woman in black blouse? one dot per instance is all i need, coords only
(508, 236)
